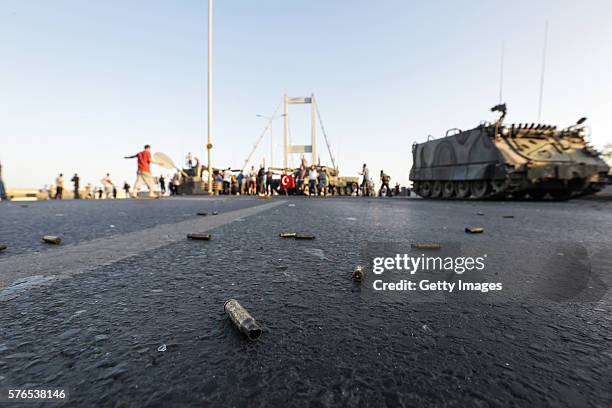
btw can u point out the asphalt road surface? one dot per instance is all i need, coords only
(90, 315)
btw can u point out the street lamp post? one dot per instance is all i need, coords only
(210, 118)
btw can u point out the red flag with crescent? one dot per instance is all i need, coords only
(287, 182)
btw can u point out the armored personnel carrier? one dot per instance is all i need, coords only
(341, 185)
(497, 160)
(337, 184)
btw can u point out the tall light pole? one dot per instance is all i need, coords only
(210, 118)
(270, 120)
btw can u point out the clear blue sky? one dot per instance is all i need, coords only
(83, 83)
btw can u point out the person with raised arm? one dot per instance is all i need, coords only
(143, 174)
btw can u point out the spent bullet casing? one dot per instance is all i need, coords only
(358, 274)
(426, 245)
(51, 239)
(287, 235)
(199, 237)
(3, 247)
(474, 230)
(304, 236)
(242, 319)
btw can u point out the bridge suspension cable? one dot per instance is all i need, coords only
(331, 156)
(248, 159)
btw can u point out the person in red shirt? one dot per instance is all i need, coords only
(143, 175)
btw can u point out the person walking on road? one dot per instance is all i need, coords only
(241, 180)
(301, 176)
(162, 184)
(171, 188)
(252, 181)
(177, 180)
(384, 183)
(227, 181)
(75, 181)
(59, 187)
(323, 182)
(312, 180)
(143, 174)
(269, 181)
(365, 182)
(3, 195)
(88, 192)
(261, 180)
(126, 188)
(108, 185)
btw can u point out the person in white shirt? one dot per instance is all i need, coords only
(177, 180)
(227, 181)
(366, 178)
(108, 185)
(253, 181)
(59, 186)
(312, 180)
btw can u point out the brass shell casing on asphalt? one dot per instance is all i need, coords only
(358, 274)
(200, 237)
(304, 236)
(296, 235)
(51, 239)
(242, 319)
(474, 230)
(426, 245)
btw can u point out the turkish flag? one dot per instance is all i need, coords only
(287, 182)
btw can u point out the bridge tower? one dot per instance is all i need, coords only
(291, 149)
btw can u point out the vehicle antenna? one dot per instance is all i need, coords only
(543, 71)
(501, 73)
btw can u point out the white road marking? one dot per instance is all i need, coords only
(29, 270)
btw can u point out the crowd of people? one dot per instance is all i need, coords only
(306, 180)
(106, 189)
(367, 185)
(310, 180)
